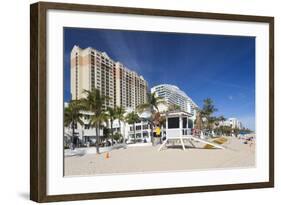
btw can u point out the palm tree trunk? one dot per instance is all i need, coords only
(151, 125)
(152, 137)
(135, 133)
(98, 138)
(120, 130)
(124, 132)
(162, 133)
(111, 131)
(72, 140)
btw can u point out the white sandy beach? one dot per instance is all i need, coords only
(148, 159)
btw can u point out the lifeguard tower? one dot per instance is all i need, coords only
(177, 129)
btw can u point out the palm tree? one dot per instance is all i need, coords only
(219, 127)
(211, 122)
(198, 123)
(162, 122)
(152, 104)
(72, 116)
(228, 130)
(132, 118)
(94, 102)
(120, 116)
(220, 119)
(207, 112)
(97, 120)
(111, 112)
(208, 108)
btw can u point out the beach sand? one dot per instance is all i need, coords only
(148, 159)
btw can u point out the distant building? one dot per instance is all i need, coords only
(93, 69)
(142, 130)
(232, 122)
(173, 95)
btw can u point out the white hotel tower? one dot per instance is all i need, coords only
(173, 95)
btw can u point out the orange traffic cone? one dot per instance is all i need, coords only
(107, 155)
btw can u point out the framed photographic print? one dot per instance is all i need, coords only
(135, 102)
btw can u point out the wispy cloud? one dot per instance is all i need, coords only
(230, 97)
(231, 85)
(122, 50)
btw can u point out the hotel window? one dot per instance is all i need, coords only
(138, 127)
(87, 126)
(145, 134)
(145, 127)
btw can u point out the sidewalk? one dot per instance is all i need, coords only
(91, 150)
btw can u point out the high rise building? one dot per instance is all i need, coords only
(173, 95)
(232, 122)
(92, 69)
(130, 88)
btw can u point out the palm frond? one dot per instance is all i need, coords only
(132, 117)
(143, 107)
(98, 119)
(72, 113)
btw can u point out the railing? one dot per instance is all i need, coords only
(172, 133)
(186, 131)
(176, 132)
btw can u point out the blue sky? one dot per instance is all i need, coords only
(215, 66)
